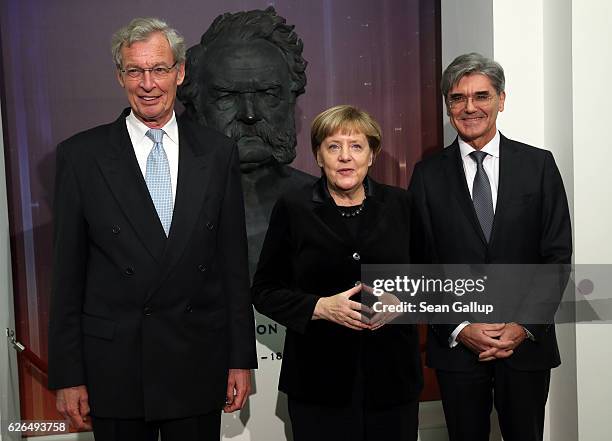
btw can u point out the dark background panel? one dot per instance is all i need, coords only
(57, 78)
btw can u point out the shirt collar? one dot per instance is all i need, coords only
(492, 147)
(139, 129)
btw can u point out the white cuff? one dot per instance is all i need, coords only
(452, 340)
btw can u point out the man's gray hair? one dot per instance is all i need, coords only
(472, 63)
(140, 29)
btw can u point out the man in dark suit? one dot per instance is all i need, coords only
(487, 199)
(151, 322)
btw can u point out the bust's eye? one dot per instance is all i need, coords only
(225, 100)
(270, 96)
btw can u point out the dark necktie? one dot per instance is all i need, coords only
(481, 195)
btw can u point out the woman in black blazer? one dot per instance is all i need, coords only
(347, 376)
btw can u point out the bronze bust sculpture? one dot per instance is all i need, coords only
(243, 79)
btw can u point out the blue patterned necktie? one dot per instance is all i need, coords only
(158, 179)
(481, 195)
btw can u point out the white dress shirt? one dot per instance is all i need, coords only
(491, 168)
(143, 144)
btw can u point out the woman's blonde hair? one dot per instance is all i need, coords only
(345, 119)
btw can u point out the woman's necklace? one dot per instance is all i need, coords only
(353, 211)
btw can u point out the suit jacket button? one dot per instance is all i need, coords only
(188, 308)
(202, 268)
(356, 256)
(116, 229)
(129, 271)
(147, 310)
(210, 225)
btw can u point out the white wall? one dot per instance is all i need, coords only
(591, 68)
(466, 26)
(562, 411)
(557, 60)
(518, 47)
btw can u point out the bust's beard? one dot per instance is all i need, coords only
(259, 145)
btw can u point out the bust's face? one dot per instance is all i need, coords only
(246, 94)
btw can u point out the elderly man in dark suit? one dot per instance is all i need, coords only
(151, 325)
(487, 199)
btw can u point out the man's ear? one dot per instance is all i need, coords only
(181, 74)
(502, 100)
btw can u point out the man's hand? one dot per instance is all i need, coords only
(73, 404)
(342, 310)
(485, 338)
(238, 389)
(511, 336)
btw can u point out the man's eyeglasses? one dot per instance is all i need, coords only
(460, 101)
(158, 72)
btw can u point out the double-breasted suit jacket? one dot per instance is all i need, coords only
(149, 324)
(309, 253)
(531, 226)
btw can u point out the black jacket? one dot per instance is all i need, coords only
(309, 253)
(531, 226)
(149, 324)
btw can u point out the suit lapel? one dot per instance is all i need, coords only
(457, 185)
(193, 182)
(509, 164)
(374, 218)
(122, 173)
(327, 212)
